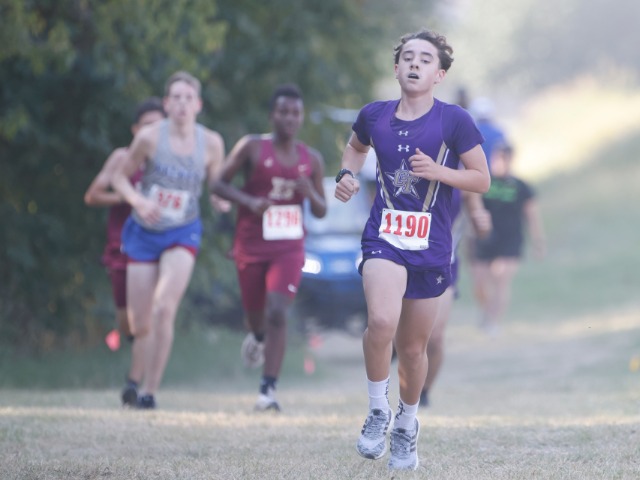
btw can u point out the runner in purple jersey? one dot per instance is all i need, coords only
(407, 243)
(441, 133)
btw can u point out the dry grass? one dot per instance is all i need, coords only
(545, 402)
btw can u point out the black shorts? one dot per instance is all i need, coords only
(488, 249)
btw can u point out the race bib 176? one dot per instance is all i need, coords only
(172, 202)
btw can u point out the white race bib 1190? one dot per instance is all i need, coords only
(405, 230)
(282, 222)
(172, 202)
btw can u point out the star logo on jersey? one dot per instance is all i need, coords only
(440, 279)
(403, 181)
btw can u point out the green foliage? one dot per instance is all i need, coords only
(70, 72)
(68, 79)
(334, 50)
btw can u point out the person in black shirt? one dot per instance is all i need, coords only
(514, 214)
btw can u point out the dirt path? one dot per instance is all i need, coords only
(483, 374)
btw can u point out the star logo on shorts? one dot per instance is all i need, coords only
(440, 279)
(403, 181)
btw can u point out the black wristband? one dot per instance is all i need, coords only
(342, 173)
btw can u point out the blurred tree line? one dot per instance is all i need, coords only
(516, 49)
(71, 72)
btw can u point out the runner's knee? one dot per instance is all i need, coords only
(411, 354)
(380, 328)
(164, 312)
(139, 331)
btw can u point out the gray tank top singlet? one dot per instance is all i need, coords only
(174, 181)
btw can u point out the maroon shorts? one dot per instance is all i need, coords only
(281, 274)
(118, 278)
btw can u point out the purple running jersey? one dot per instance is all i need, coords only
(410, 214)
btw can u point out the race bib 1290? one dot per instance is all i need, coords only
(282, 222)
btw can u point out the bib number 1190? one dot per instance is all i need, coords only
(405, 230)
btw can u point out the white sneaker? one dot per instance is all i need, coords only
(373, 438)
(404, 452)
(252, 352)
(267, 402)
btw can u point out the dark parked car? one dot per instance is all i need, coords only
(330, 294)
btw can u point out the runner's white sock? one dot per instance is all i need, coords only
(378, 394)
(405, 416)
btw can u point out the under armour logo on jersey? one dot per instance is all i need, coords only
(403, 181)
(403, 149)
(403, 133)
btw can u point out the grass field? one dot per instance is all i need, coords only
(548, 401)
(557, 396)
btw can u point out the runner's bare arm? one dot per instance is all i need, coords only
(479, 216)
(535, 229)
(239, 160)
(100, 193)
(141, 148)
(353, 158)
(473, 178)
(312, 187)
(215, 161)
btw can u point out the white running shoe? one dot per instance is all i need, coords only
(252, 351)
(373, 438)
(267, 402)
(404, 452)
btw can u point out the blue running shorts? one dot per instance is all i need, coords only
(143, 245)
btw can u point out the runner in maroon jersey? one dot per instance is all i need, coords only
(100, 194)
(279, 173)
